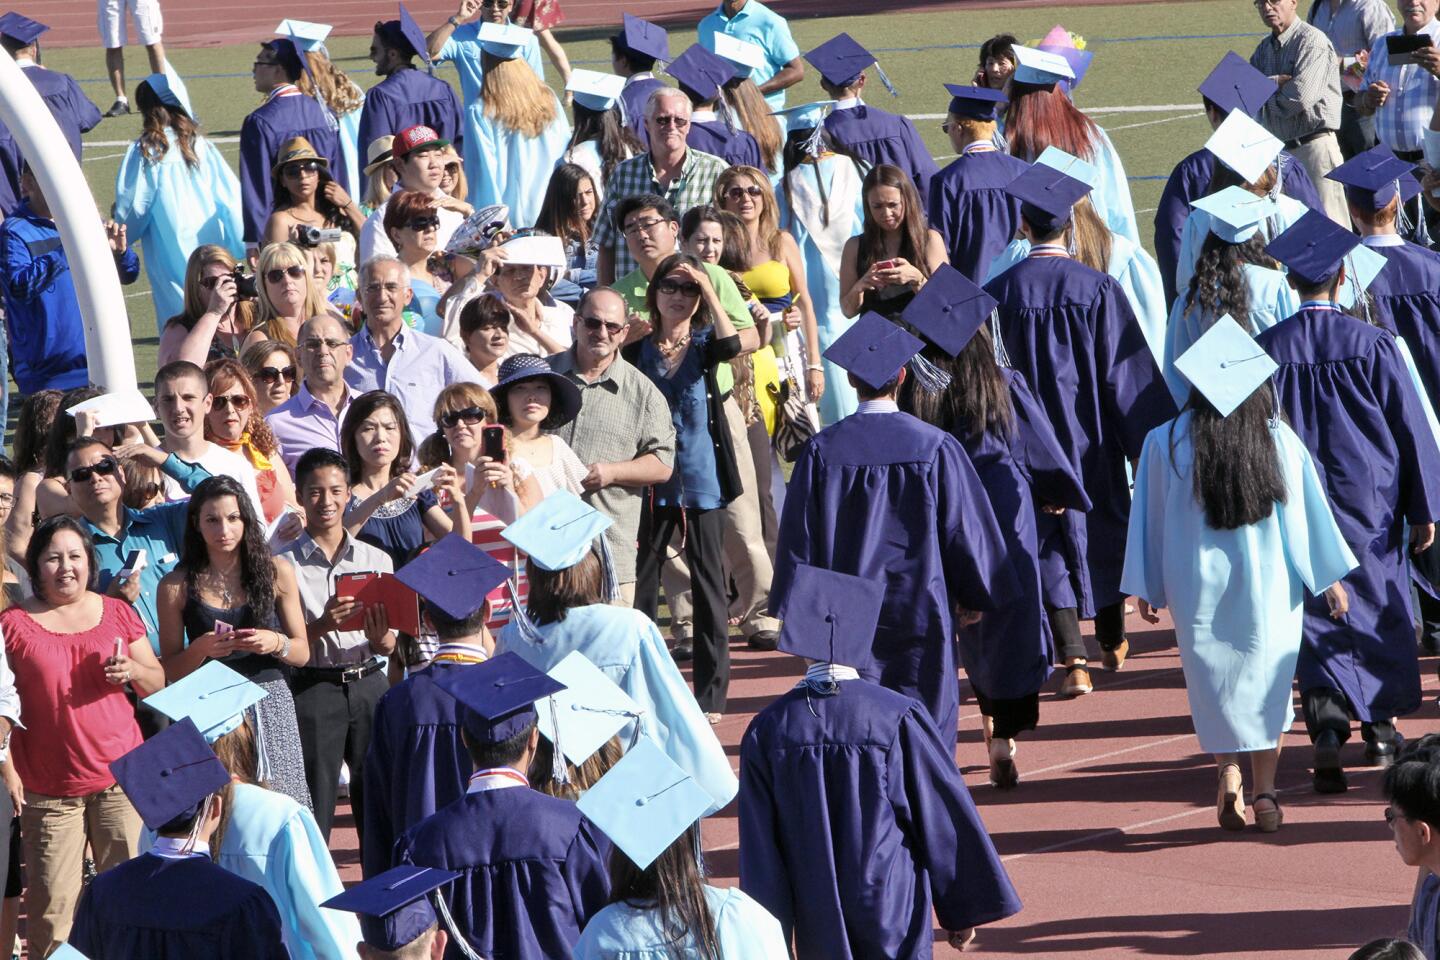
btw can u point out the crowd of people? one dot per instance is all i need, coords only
(453, 388)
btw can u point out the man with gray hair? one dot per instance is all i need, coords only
(388, 355)
(313, 416)
(669, 168)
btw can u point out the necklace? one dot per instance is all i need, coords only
(669, 351)
(217, 584)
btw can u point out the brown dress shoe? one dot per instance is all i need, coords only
(1115, 659)
(1077, 682)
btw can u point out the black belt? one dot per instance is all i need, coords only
(1410, 156)
(1300, 141)
(340, 674)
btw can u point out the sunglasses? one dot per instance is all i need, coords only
(105, 466)
(595, 323)
(735, 193)
(276, 275)
(673, 287)
(424, 223)
(471, 415)
(275, 375)
(239, 401)
(669, 121)
(301, 166)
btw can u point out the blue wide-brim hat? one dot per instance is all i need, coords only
(564, 395)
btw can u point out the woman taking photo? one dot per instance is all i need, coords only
(174, 191)
(235, 424)
(273, 370)
(896, 252)
(539, 323)
(485, 330)
(568, 212)
(213, 319)
(229, 600)
(533, 401)
(692, 335)
(306, 197)
(73, 651)
(413, 225)
(287, 295)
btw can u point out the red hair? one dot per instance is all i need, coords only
(404, 207)
(1041, 117)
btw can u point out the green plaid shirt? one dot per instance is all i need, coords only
(636, 176)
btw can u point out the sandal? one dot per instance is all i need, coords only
(1268, 820)
(1229, 799)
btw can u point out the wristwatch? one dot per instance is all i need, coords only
(453, 20)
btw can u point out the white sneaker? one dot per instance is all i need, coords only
(344, 788)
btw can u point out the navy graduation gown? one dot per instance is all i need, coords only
(969, 206)
(735, 146)
(874, 136)
(71, 109)
(1189, 181)
(1070, 331)
(632, 105)
(887, 497)
(1346, 392)
(1406, 297)
(855, 823)
(261, 136)
(416, 765)
(163, 909)
(532, 871)
(408, 97)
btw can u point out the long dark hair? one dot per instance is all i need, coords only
(362, 407)
(671, 886)
(283, 200)
(554, 593)
(912, 229)
(978, 398)
(1237, 466)
(158, 115)
(735, 254)
(1218, 285)
(559, 211)
(37, 414)
(257, 570)
(612, 138)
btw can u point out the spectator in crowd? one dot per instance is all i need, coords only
(149, 24)
(306, 196)
(485, 330)
(183, 401)
(312, 417)
(533, 401)
(407, 96)
(380, 175)
(412, 222)
(32, 428)
(753, 21)
(458, 40)
(235, 423)
(73, 652)
(539, 323)
(570, 211)
(1353, 27)
(417, 156)
(213, 319)
(273, 367)
(997, 62)
(287, 297)
(896, 252)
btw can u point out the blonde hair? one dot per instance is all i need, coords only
(331, 85)
(1092, 237)
(380, 184)
(515, 97)
(754, 114)
(281, 256)
(435, 449)
(462, 186)
(767, 228)
(975, 130)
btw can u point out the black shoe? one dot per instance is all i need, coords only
(118, 109)
(1329, 774)
(1382, 753)
(682, 651)
(763, 640)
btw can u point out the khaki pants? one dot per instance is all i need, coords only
(1319, 157)
(53, 831)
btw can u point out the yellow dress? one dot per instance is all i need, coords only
(770, 283)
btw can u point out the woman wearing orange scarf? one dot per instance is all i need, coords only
(235, 424)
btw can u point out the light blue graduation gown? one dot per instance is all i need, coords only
(744, 929)
(627, 646)
(169, 209)
(1235, 595)
(1111, 196)
(507, 167)
(463, 49)
(350, 145)
(1197, 228)
(1271, 300)
(823, 280)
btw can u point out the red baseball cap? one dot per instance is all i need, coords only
(418, 137)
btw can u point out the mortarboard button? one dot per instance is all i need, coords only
(949, 309)
(831, 617)
(1226, 365)
(644, 803)
(1244, 146)
(432, 575)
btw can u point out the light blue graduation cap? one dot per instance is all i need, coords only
(557, 532)
(67, 952)
(805, 116)
(504, 40)
(215, 697)
(171, 90)
(1244, 146)
(743, 55)
(588, 712)
(1236, 213)
(1362, 266)
(1084, 171)
(1226, 365)
(594, 90)
(644, 802)
(305, 35)
(1040, 68)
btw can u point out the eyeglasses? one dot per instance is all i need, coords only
(737, 192)
(420, 224)
(105, 466)
(471, 415)
(637, 227)
(673, 287)
(595, 323)
(6, 499)
(238, 400)
(276, 275)
(300, 166)
(319, 344)
(275, 374)
(669, 121)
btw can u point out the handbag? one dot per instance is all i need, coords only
(798, 418)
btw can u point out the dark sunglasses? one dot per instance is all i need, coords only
(105, 466)
(471, 415)
(595, 323)
(301, 166)
(276, 275)
(239, 402)
(735, 193)
(675, 286)
(424, 223)
(274, 375)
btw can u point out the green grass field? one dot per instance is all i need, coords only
(1146, 55)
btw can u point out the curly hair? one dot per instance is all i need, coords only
(331, 85)
(226, 372)
(257, 569)
(158, 117)
(1218, 285)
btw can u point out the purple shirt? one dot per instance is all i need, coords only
(303, 422)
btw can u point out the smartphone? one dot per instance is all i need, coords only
(134, 563)
(221, 627)
(492, 443)
(886, 265)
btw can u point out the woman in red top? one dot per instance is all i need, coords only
(73, 651)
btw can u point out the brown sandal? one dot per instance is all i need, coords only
(1230, 801)
(1267, 820)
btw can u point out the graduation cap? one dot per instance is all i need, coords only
(594, 90)
(743, 55)
(479, 230)
(805, 116)
(67, 952)
(700, 72)
(394, 906)
(1235, 85)
(1236, 213)
(1313, 248)
(645, 38)
(499, 695)
(504, 40)
(1371, 179)
(590, 710)
(414, 36)
(1226, 365)
(644, 802)
(171, 90)
(1041, 68)
(830, 616)
(557, 532)
(1059, 41)
(1057, 159)
(453, 576)
(977, 103)
(1046, 196)
(168, 776)
(873, 349)
(949, 309)
(21, 28)
(306, 35)
(841, 60)
(214, 698)
(1244, 146)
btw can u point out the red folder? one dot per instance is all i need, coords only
(400, 602)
